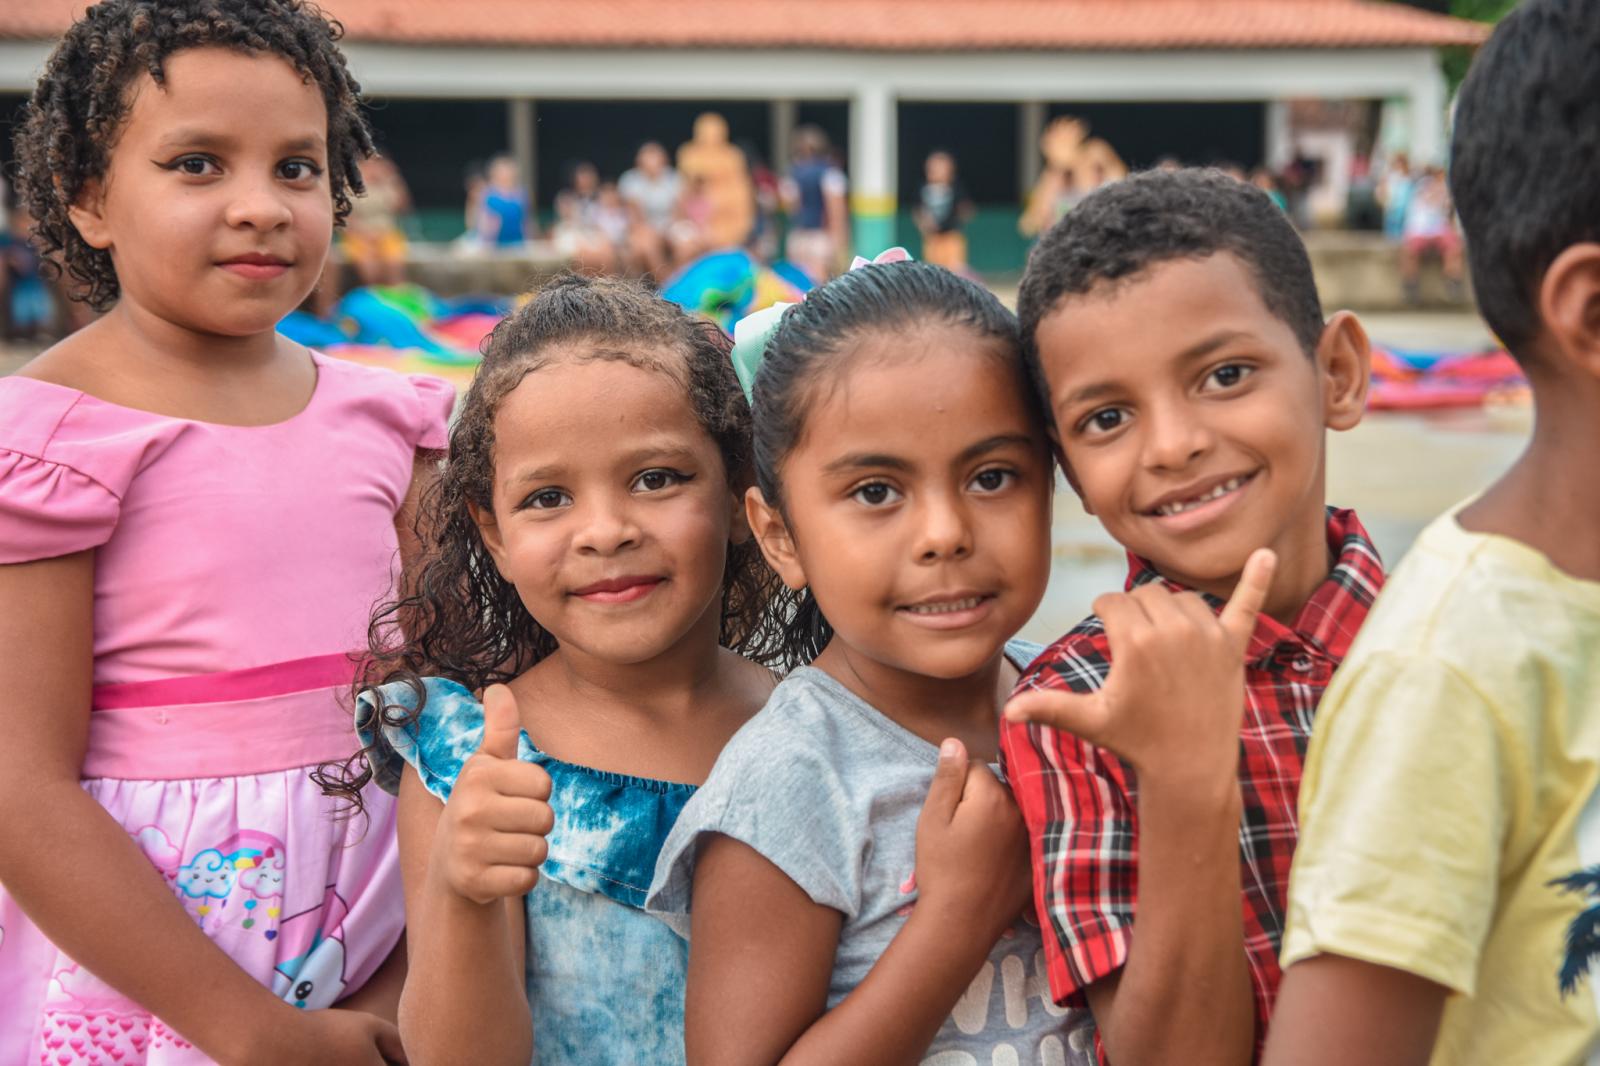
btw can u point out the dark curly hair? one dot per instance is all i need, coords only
(1128, 226)
(72, 120)
(876, 298)
(1522, 157)
(461, 619)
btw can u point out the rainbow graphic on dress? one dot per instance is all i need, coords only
(244, 872)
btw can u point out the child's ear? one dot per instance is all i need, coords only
(1060, 455)
(489, 530)
(1344, 362)
(87, 215)
(1569, 303)
(772, 533)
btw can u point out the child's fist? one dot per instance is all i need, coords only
(1174, 699)
(491, 838)
(972, 848)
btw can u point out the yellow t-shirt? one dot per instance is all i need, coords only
(1451, 778)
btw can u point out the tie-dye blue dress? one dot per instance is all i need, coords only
(605, 980)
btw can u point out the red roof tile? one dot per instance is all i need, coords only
(862, 25)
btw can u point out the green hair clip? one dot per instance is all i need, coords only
(751, 333)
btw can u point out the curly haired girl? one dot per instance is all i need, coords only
(195, 518)
(594, 617)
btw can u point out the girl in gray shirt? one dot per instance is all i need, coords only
(855, 887)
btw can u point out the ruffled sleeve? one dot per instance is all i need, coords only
(49, 509)
(436, 742)
(61, 472)
(436, 398)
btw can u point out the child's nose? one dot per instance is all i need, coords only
(258, 205)
(1174, 438)
(946, 531)
(607, 527)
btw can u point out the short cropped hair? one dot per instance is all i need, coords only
(1524, 155)
(1128, 226)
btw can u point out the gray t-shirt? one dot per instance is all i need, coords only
(829, 789)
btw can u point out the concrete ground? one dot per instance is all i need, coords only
(1397, 470)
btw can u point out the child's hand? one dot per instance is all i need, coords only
(490, 840)
(337, 1038)
(1175, 696)
(972, 848)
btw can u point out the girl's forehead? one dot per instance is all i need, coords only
(584, 396)
(212, 90)
(918, 398)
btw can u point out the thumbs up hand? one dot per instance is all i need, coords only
(1174, 700)
(972, 849)
(491, 837)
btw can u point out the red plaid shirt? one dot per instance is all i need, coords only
(1080, 801)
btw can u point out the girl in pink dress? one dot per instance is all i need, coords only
(195, 517)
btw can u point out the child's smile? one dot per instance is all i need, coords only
(619, 590)
(1195, 506)
(953, 610)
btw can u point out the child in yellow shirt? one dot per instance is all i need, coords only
(1444, 904)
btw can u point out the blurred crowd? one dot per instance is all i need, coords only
(669, 208)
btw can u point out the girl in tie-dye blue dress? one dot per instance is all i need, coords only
(586, 549)
(600, 972)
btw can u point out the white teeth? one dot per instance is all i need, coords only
(948, 607)
(1184, 505)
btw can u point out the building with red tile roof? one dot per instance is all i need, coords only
(863, 25)
(873, 59)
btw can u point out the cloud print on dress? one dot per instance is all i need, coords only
(158, 848)
(265, 879)
(209, 873)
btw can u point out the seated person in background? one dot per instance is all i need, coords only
(372, 239)
(503, 219)
(650, 189)
(578, 232)
(1428, 229)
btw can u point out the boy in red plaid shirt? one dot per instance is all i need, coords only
(1174, 329)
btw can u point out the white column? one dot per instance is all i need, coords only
(523, 143)
(1279, 144)
(1030, 127)
(781, 118)
(1427, 99)
(874, 145)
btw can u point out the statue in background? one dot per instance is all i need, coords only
(719, 172)
(1075, 165)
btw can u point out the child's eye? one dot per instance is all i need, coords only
(1103, 421)
(298, 170)
(658, 479)
(1228, 376)
(993, 479)
(876, 494)
(194, 166)
(546, 500)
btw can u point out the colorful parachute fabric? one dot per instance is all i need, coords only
(1405, 380)
(726, 286)
(405, 328)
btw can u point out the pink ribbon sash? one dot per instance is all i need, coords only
(229, 724)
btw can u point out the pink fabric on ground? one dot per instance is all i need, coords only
(233, 565)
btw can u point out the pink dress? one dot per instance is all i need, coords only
(234, 573)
